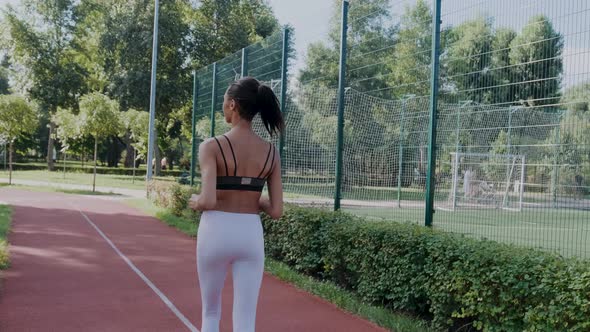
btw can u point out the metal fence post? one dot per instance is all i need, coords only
(213, 98)
(433, 114)
(511, 110)
(152, 122)
(244, 71)
(555, 177)
(341, 83)
(401, 154)
(194, 123)
(284, 86)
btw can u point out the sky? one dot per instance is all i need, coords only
(4, 2)
(571, 18)
(310, 20)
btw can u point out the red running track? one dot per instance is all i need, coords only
(83, 263)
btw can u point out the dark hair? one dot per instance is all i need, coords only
(252, 98)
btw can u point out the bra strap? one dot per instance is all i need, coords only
(271, 163)
(266, 161)
(223, 155)
(233, 155)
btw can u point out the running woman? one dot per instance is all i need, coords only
(234, 170)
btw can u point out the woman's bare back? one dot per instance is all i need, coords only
(254, 157)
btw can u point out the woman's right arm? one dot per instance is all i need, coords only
(273, 205)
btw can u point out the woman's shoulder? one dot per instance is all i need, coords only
(208, 144)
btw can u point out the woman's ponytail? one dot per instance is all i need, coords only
(253, 98)
(270, 110)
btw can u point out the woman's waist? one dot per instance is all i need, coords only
(230, 215)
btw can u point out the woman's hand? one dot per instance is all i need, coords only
(193, 202)
(264, 204)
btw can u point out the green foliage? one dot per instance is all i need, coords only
(17, 117)
(5, 219)
(299, 238)
(468, 54)
(99, 116)
(41, 41)
(367, 34)
(137, 124)
(502, 71)
(220, 28)
(567, 145)
(536, 52)
(203, 126)
(577, 98)
(68, 126)
(456, 281)
(4, 78)
(411, 56)
(172, 196)
(179, 197)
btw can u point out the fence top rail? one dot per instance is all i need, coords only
(475, 154)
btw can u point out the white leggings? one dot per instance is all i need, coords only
(229, 239)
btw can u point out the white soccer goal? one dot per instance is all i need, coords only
(481, 180)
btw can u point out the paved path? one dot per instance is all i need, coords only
(83, 263)
(121, 191)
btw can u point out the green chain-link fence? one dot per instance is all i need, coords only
(512, 152)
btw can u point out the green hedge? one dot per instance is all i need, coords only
(171, 195)
(455, 281)
(5, 218)
(90, 170)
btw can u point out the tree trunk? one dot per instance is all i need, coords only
(65, 156)
(113, 152)
(134, 165)
(94, 176)
(10, 163)
(50, 144)
(129, 156)
(169, 158)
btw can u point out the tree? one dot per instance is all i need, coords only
(536, 57)
(219, 28)
(502, 72)
(17, 118)
(68, 129)
(41, 40)
(369, 44)
(4, 78)
(99, 118)
(567, 148)
(136, 126)
(469, 59)
(410, 65)
(577, 98)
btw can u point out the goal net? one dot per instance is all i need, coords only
(482, 180)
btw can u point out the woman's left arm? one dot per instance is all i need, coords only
(207, 199)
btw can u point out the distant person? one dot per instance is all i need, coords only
(164, 163)
(234, 169)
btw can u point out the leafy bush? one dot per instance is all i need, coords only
(170, 195)
(4, 259)
(179, 197)
(457, 282)
(5, 219)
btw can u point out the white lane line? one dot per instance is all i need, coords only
(163, 297)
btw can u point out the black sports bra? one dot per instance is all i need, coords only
(235, 182)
